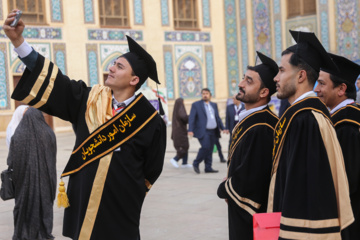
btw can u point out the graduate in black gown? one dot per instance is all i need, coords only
(249, 162)
(309, 184)
(337, 89)
(105, 192)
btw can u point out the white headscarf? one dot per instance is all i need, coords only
(15, 120)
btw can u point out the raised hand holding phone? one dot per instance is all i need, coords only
(14, 27)
(17, 18)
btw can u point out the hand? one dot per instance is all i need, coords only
(14, 33)
(191, 134)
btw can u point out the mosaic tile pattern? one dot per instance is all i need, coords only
(206, 13)
(60, 56)
(181, 50)
(165, 13)
(38, 33)
(262, 27)
(56, 11)
(347, 32)
(277, 30)
(244, 37)
(231, 46)
(114, 34)
(89, 11)
(324, 23)
(91, 55)
(109, 53)
(169, 71)
(305, 24)
(190, 77)
(210, 69)
(4, 82)
(138, 12)
(181, 36)
(42, 48)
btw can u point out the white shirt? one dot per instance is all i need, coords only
(307, 94)
(23, 50)
(246, 113)
(342, 104)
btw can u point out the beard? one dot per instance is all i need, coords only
(247, 98)
(286, 91)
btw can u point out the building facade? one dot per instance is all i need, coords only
(196, 43)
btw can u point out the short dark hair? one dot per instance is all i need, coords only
(350, 88)
(207, 90)
(296, 61)
(262, 85)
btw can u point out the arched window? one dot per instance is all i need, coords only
(33, 11)
(301, 7)
(185, 14)
(114, 13)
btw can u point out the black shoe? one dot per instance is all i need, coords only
(196, 169)
(211, 171)
(222, 160)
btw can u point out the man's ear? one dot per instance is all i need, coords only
(264, 92)
(341, 89)
(134, 80)
(302, 76)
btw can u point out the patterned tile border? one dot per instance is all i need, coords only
(169, 71)
(56, 11)
(324, 23)
(60, 56)
(89, 11)
(231, 45)
(244, 37)
(210, 69)
(4, 79)
(138, 12)
(262, 26)
(114, 34)
(347, 20)
(181, 36)
(38, 33)
(110, 51)
(164, 13)
(277, 30)
(92, 61)
(206, 13)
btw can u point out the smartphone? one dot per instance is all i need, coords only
(17, 18)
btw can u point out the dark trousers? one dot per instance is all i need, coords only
(207, 143)
(218, 146)
(184, 159)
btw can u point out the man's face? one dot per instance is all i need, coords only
(249, 87)
(205, 95)
(285, 79)
(325, 90)
(120, 75)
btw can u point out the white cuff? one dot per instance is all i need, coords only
(23, 50)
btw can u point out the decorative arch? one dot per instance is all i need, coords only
(18, 66)
(109, 60)
(189, 70)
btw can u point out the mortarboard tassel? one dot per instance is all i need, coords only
(162, 113)
(62, 198)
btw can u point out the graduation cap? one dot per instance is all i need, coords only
(347, 70)
(310, 50)
(141, 62)
(267, 71)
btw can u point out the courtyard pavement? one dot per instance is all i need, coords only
(182, 205)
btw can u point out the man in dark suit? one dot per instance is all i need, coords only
(205, 125)
(232, 114)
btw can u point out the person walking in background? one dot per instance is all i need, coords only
(179, 134)
(232, 114)
(337, 90)
(32, 156)
(205, 125)
(247, 183)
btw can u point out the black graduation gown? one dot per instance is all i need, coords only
(141, 157)
(249, 172)
(304, 190)
(347, 125)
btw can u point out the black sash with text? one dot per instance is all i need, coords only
(111, 134)
(254, 119)
(307, 104)
(348, 114)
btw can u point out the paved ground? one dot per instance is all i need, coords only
(182, 205)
